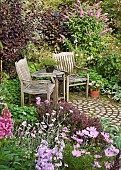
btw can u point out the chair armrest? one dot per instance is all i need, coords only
(83, 69)
(43, 75)
(41, 82)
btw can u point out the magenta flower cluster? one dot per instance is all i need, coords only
(6, 124)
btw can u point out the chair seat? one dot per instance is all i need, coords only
(76, 78)
(33, 89)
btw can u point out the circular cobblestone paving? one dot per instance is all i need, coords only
(99, 108)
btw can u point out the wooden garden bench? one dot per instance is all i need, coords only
(33, 87)
(66, 62)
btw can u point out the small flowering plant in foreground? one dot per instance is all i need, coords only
(95, 85)
(90, 149)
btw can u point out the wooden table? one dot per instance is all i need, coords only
(55, 74)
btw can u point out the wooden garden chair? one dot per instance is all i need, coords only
(66, 62)
(33, 87)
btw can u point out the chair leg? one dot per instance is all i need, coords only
(67, 88)
(87, 90)
(22, 98)
(54, 97)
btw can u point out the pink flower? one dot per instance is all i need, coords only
(65, 16)
(77, 146)
(47, 101)
(78, 2)
(38, 99)
(6, 124)
(107, 165)
(76, 153)
(109, 152)
(96, 164)
(112, 148)
(85, 132)
(62, 36)
(96, 5)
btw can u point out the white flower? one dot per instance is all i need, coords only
(33, 135)
(61, 107)
(24, 113)
(47, 114)
(24, 123)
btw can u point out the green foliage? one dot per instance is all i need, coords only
(94, 76)
(10, 91)
(109, 65)
(114, 131)
(12, 157)
(117, 92)
(76, 163)
(20, 114)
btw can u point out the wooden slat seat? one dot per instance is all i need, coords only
(66, 62)
(30, 86)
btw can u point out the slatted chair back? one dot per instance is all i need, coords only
(66, 61)
(23, 71)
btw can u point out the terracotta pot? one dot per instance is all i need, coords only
(94, 93)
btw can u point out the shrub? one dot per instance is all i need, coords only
(109, 65)
(17, 29)
(89, 29)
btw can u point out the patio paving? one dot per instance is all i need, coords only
(100, 108)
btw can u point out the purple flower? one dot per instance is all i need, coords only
(82, 13)
(65, 129)
(90, 13)
(104, 32)
(97, 156)
(98, 13)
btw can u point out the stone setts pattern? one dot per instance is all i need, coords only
(100, 108)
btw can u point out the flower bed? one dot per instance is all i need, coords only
(61, 138)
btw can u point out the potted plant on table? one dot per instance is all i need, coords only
(95, 87)
(49, 63)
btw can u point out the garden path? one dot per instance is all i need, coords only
(99, 107)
